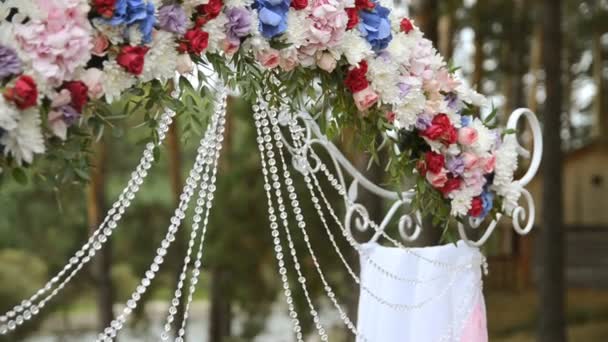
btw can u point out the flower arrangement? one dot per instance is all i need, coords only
(59, 59)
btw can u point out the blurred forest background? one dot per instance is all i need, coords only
(548, 55)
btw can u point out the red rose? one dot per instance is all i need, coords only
(299, 4)
(451, 185)
(132, 58)
(78, 91)
(24, 94)
(104, 8)
(364, 4)
(195, 41)
(355, 79)
(476, 207)
(406, 25)
(390, 117)
(441, 129)
(353, 18)
(434, 161)
(211, 9)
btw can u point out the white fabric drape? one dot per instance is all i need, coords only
(451, 303)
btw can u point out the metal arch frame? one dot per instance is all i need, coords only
(407, 222)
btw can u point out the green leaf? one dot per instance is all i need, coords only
(20, 176)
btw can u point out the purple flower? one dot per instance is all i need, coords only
(452, 100)
(239, 23)
(70, 115)
(172, 18)
(404, 88)
(9, 62)
(455, 165)
(423, 122)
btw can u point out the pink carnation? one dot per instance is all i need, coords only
(437, 180)
(467, 136)
(328, 24)
(59, 44)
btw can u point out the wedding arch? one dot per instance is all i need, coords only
(301, 63)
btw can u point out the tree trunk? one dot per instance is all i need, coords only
(175, 177)
(600, 124)
(220, 326)
(427, 17)
(552, 320)
(536, 58)
(479, 56)
(101, 267)
(446, 34)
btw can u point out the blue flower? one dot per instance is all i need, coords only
(376, 27)
(273, 17)
(465, 120)
(129, 12)
(487, 198)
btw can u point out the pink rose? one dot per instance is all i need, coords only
(471, 161)
(437, 180)
(288, 59)
(326, 61)
(268, 58)
(184, 64)
(100, 45)
(489, 163)
(93, 79)
(467, 136)
(365, 98)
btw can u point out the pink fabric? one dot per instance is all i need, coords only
(476, 328)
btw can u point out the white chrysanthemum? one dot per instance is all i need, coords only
(355, 48)
(461, 201)
(470, 96)
(134, 35)
(190, 5)
(383, 75)
(406, 113)
(238, 3)
(115, 80)
(26, 9)
(401, 47)
(297, 27)
(161, 59)
(486, 139)
(9, 115)
(113, 33)
(506, 162)
(217, 32)
(26, 139)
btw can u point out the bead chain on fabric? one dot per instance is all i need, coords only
(195, 273)
(259, 115)
(29, 308)
(207, 147)
(394, 306)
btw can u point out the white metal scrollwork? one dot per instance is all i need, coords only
(410, 224)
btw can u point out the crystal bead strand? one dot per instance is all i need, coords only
(202, 158)
(348, 237)
(207, 201)
(342, 191)
(284, 219)
(301, 224)
(29, 308)
(278, 249)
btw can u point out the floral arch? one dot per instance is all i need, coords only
(347, 63)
